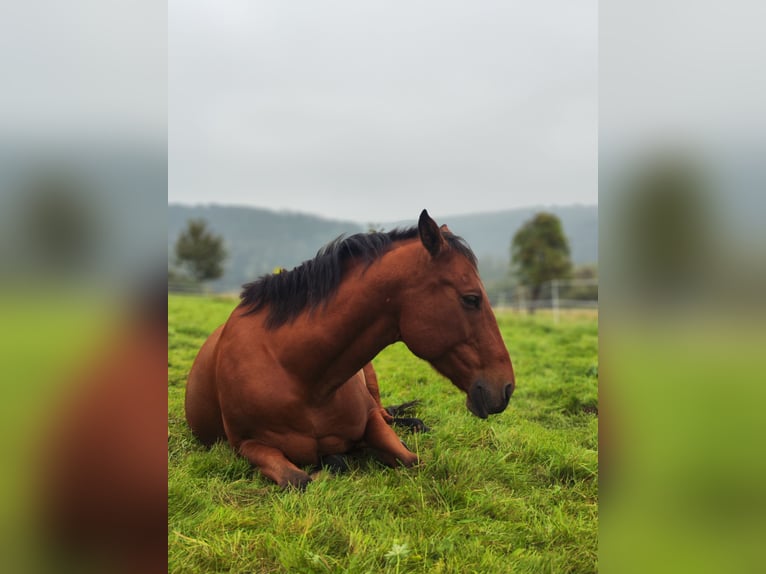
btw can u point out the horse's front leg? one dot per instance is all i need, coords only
(273, 464)
(380, 436)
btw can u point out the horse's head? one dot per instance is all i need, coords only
(447, 320)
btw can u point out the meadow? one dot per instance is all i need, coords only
(517, 492)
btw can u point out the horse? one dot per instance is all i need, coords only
(288, 379)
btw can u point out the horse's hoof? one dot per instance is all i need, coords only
(412, 424)
(297, 480)
(395, 410)
(411, 461)
(335, 463)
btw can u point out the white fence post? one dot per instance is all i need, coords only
(517, 299)
(522, 300)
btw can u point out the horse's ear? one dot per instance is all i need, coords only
(430, 235)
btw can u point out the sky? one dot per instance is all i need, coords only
(372, 111)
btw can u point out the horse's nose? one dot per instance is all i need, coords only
(508, 392)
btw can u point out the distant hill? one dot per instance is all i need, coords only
(258, 240)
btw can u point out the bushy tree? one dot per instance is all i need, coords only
(665, 226)
(540, 252)
(199, 251)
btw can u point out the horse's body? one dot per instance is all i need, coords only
(288, 379)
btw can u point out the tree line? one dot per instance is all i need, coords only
(539, 254)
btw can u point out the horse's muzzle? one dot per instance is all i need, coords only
(484, 400)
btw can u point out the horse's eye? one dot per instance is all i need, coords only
(471, 301)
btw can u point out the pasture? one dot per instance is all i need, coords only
(517, 492)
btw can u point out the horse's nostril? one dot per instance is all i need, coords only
(508, 392)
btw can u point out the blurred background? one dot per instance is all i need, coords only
(681, 197)
(364, 114)
(83, 192)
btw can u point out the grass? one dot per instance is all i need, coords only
(515, 493)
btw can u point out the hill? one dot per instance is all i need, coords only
(258, 240)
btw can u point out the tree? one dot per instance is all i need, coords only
(540, 252)
(200, 251)
(666, 226)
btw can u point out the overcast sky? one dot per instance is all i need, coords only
(371, 111)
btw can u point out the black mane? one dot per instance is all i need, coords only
(290, 293)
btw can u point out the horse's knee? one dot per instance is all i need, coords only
(273, 464)
(390, 450)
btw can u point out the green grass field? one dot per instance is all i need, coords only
(517, 492)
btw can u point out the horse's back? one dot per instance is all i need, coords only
(203, 411)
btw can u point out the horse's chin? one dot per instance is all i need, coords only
(477, 410)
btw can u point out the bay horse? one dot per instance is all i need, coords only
(288, 379)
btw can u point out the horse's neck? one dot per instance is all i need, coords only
(359, 321)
